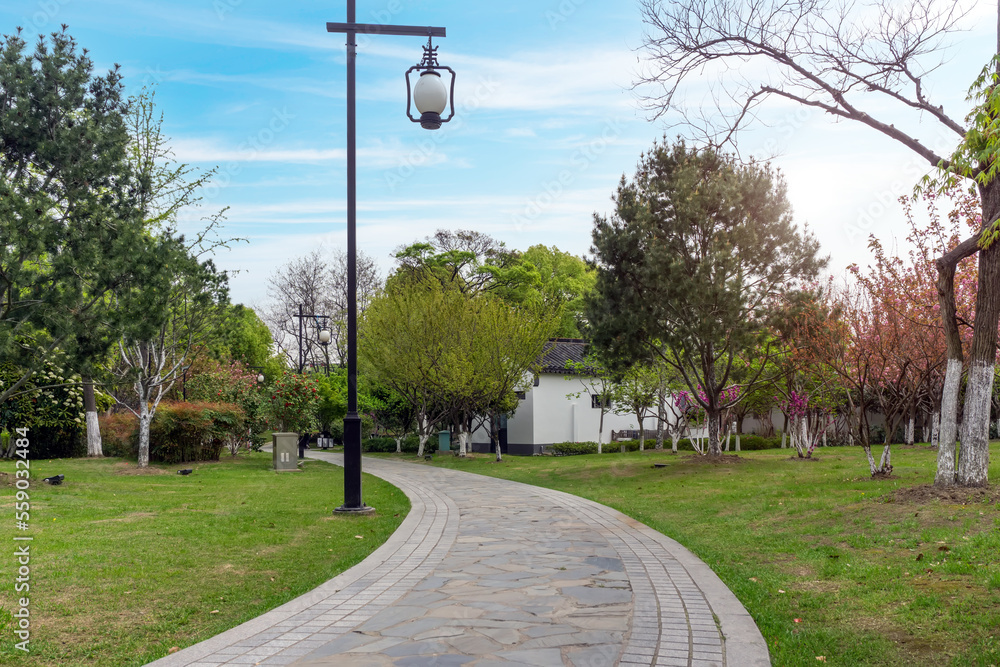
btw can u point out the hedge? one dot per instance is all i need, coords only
(411, 444)
(748, 443)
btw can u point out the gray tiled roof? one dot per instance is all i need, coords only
(560, 351)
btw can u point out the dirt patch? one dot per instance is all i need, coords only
(6, 479)
(803, 459)
(134, 469)
(128, 518)
(720, 460)
(921, 495)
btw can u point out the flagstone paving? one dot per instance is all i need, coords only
(486, 572)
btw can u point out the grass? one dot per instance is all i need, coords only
(125, 566)
(828, 562)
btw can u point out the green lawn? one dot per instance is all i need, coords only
(125, 565)
(873, 578)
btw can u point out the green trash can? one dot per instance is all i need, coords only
(444, 441)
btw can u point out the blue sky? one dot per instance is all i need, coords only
(547, 122)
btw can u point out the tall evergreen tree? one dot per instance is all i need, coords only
(688, 263)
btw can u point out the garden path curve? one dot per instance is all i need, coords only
(485, 572)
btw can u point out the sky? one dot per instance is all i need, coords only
(547, 122)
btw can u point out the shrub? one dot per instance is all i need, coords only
(572, 448)
(410, 445)
(119, 434)
(183, 432)
(750, 442)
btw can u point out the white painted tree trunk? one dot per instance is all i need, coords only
(660, 418)
(783, 436)
(145, 417)
(423, 433)
(737, 442)
(94, 447)
(935, 429)
(909, 431)
(463, 441)
(824, 437)
(399, 444)
(945, 475)
(803, 436)
(973, 463)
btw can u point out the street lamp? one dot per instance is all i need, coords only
(429, 100)
(430, 95)
(324, 335)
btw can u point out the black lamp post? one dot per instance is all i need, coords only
(324, 335)
(427, 96)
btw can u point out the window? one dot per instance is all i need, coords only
(520, 395)
(595, 401)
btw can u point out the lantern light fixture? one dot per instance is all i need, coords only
(430, 95)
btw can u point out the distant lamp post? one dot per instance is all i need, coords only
(324, 340)
(260, 373)
(324, 335)
(427, 94)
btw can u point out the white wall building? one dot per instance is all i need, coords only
(547, 415)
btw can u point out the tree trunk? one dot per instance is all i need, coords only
(935, 429)
(642, 435)
(946, 472)
(93, 427)
(804, 437)
(423, 433)
(399, 444)
(909, 430)
(660, 415)
(783, 435)
(714, 444)
(144, 419)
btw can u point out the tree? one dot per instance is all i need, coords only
(318, 283)
(71, 225)
(688, 264)
(451, 355)
(155, 351)
(596, 381)
(565, 282)
(635, 394)
(472, 261)
(844, 60)
(405, 342)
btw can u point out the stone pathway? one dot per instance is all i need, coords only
(486, 572)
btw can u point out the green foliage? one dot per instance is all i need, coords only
(332, 404)
(70, 218)
(50, 405)
(409, 445)
(473, 262)
(244, 337)
(698, 247)
(294, 402)
(572, 448)
(180, 432)
(750, 442)
(565, 282)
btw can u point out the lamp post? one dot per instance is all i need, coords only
(324, 335)
(427, 96)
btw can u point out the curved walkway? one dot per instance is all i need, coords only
(486, 572)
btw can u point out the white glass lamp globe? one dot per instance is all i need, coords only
(324, 336)
(260, 378)
(430, 94)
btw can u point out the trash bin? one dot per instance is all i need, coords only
(283, 452)
(444, 441)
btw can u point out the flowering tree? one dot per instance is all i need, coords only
(294, 400)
